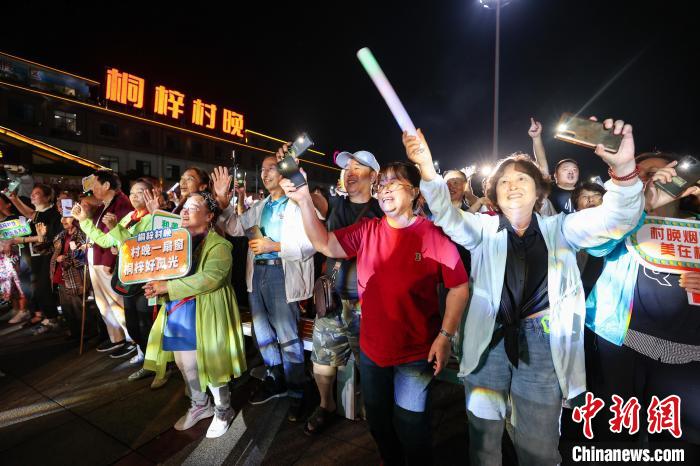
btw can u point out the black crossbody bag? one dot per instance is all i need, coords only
(326, 298)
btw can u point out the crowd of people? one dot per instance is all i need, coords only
(524, 276)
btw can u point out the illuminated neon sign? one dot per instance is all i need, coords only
(129, 90)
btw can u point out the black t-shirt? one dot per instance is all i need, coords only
(343, 213)
(561, 199)
(661, 309)
(52, 219)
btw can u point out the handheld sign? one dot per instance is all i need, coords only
(164, 219)
(386, 90)
(668, 245)
(66, 207)
(14, 228)
(161, 254)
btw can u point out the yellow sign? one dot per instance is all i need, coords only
(128, 89)
(155, 255)
(125, 88)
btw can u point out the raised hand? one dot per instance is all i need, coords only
(535, 130)
(110, 220)
(622, 162)
(152, 199)
(656, 197)
(78, 213)
(281, 152)
(41, 229)
(299, 194)
(418, 152)
(221, 181)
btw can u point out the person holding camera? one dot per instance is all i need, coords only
(523, 343)
(279, 274)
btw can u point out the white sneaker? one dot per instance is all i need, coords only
(195, 414)
(221, 422)
(21, 316)
(136, 359)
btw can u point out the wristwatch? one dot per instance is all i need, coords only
(448, 335)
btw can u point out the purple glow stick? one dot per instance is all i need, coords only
(384, 87)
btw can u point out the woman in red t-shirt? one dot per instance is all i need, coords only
(400, 261)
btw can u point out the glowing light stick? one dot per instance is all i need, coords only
(384, 87)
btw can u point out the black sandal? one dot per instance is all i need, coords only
(318, 421)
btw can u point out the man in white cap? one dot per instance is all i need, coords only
(337, 335)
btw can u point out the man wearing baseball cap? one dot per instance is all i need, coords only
(337, 335)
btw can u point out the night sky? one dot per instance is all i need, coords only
(292, 68)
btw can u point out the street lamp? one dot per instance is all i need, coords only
(496, 5)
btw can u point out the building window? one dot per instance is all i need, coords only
(197, 149)
(109, 130)
(172, 172)
(143, 167)
(109, 161)
(65, 121)
(20, 111)
(173, 144)
(143, 137)
(219, 154)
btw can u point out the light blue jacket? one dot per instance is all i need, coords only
(563, 235)
(609, 305)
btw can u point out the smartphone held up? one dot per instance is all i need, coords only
(587, 133)
(288, 166)
(687, 175)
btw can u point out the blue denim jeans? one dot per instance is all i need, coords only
(276, 325)
(529, 395)
(396, 399)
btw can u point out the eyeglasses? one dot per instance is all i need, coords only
(191, 208)
(391, 185)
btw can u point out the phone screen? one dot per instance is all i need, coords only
(587, 133)
(687, 174)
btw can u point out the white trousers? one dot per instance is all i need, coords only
(110, 304)
(187, 363)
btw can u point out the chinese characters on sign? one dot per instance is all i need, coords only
(129, 90)
(160, 254)
(163, 219)
(661, 415)
(668, 246)
(14, 228)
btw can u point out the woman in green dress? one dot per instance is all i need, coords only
(198, 324)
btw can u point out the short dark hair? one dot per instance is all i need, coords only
(524, 164)
(459, 173)
(587, 186)
(211, 203)
(46, 189)
(108, 176)
(667, 156)
(403, 171)
(203, 175)
(145, 181)
(563, 161)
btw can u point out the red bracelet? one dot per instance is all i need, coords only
(631, 176)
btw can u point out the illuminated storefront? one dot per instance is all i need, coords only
(133, 124)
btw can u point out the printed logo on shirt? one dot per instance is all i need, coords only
(660, 277)
(418, 257)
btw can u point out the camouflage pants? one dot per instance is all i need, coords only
(337, 335)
